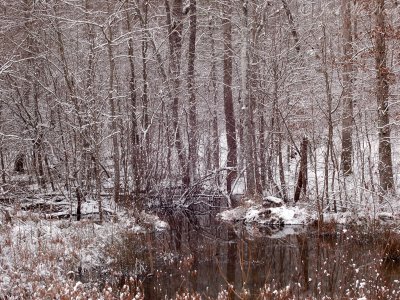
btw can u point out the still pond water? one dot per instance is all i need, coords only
(202, 255)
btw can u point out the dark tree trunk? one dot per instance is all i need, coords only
(3, 171)
(281, 170)
(248, 128)
(191, 90)
(302, 178)
(18, 167)
(263, 162)
(145, 97)
(231, 264)
(382, 92)
(230, 122)
(347, 117)
(292, 25)
(19, 163)
(215, 131)
(134, 134)
(79, 198)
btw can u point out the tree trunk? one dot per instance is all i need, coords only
(46, 162)
(175, 27)
(282, 170)
(262, 145)
(292, 25)
(134, 134)
(79, 199)
(3, 170)
(145, 97)
(86, 133)
(79, 135)
(213, 75)
(19, 161)
(38, 157)
(232, 259)
(328, 114)
(382, 92)
(191, 91)
(347, 117)
(65, 157)
(114, 124)
(302, 178)
(230, 122)
(247, 101)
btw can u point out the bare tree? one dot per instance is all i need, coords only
(292, 25)
(347, 96)
(191, 89)
(230, 122)
(382, 97)
(214, 92)
(114, 127)
(249, 131)
(175, 26)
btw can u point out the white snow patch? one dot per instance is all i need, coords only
(291, 215)
(385, 216)
(275, 200)
(161, 225)
(136, 228)
(154, 221)
(252, 214)
(258, 214)
(233, 214)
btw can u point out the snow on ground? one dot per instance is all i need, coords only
(259, 213)
(37, 253)
(275, 200)
(234, 214)
(273, 212)
(44, 258)
(367, 211)
(153, 220)
(267, 219)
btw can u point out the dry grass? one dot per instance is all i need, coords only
(48, 259)
(391, 247)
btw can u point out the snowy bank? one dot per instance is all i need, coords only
(272, 211)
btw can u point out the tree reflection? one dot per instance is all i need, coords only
(231, 263)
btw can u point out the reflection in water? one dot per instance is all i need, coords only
(302, 241)
(200, 254)
(231, 263)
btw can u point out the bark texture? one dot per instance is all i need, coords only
(347, 117)
(382, 97)
(230, 122)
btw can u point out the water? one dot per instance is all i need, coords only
(199, 254)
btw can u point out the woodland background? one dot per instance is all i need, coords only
(133, 96)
